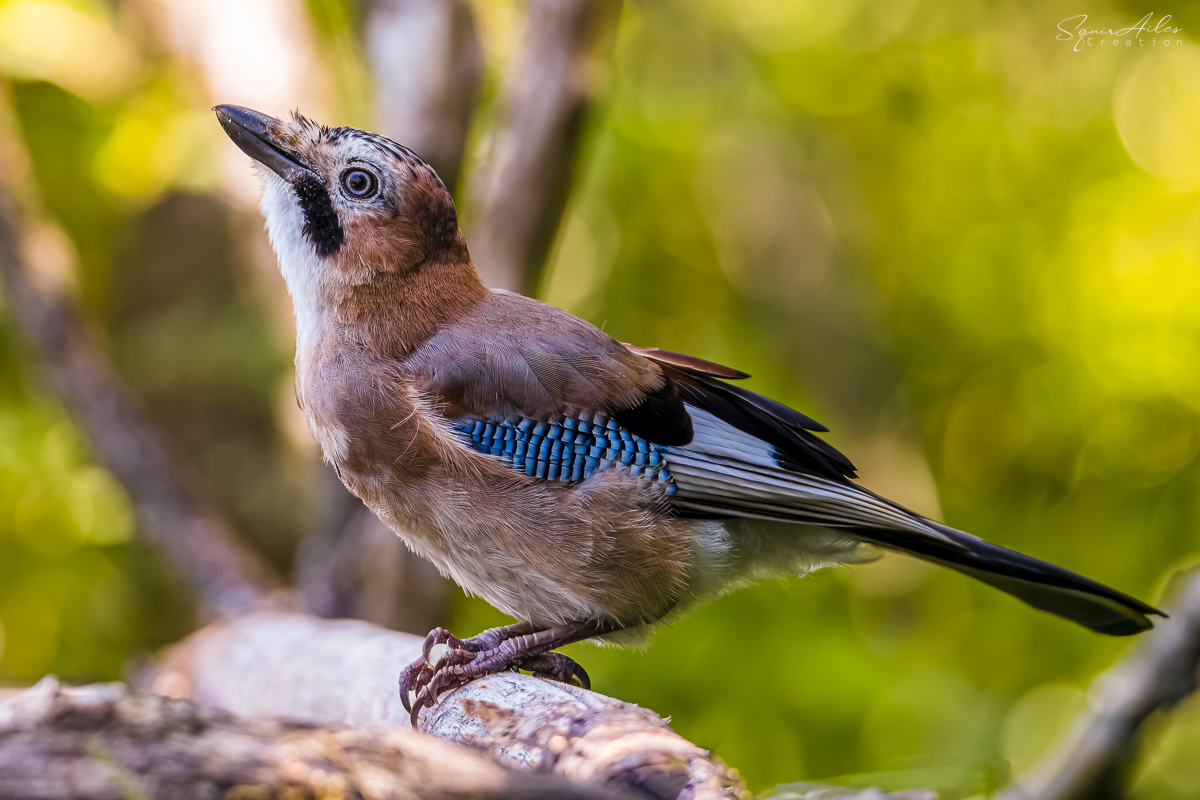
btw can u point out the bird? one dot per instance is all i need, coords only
(590, 489)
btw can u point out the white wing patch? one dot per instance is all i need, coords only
(727, 469)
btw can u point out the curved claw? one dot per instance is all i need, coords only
(442, 682)
(410, 681)
(413, 677)
(428, 684)
(419, 703)
(438, 636)
(557, 667)
(580, 674)
(404, 701)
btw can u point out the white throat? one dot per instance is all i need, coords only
(301, 267)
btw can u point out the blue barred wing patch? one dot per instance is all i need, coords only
(724, 472)
(567, 448)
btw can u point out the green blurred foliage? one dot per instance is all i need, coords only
(970, 250)
(154, 258)
(77, 596)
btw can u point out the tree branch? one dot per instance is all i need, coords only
(520, 193)
(102, 742)
(1092, 762)
(226, 576)
(266, 665)
(819, 791)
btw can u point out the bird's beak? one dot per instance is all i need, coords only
(259, 137)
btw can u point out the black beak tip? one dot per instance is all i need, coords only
(246, 119)
(223, 117)
(257, 135)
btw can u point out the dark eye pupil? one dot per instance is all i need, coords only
(359, 183)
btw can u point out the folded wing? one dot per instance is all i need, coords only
(557, 399)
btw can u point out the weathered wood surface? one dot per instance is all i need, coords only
(104, 742)
(272, 665)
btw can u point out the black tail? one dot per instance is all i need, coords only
(1041, 585)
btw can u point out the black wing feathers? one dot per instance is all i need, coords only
(790, 432)
(796, 449)
(1038, 583)
(661, 417)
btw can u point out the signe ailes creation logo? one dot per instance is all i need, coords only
(1146, 32)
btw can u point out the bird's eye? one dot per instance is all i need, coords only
(359, 183)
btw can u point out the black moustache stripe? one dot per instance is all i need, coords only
(321, 223)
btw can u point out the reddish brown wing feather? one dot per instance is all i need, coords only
(696, 366)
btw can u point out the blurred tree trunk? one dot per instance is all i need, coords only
(193, 274)
(427, 62)
(521, 190)
(223, 574)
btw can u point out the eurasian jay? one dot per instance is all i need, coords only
(588, 488)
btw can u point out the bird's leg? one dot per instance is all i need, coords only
(519, 646)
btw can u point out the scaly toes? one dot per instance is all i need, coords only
(466, 660)
(438, 636)
(446, 678)
(459, 667)
(428, 680)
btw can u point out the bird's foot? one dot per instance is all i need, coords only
(514, 647)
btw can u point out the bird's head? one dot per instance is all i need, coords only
(349, 213)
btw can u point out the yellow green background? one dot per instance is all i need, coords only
(968, 248)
